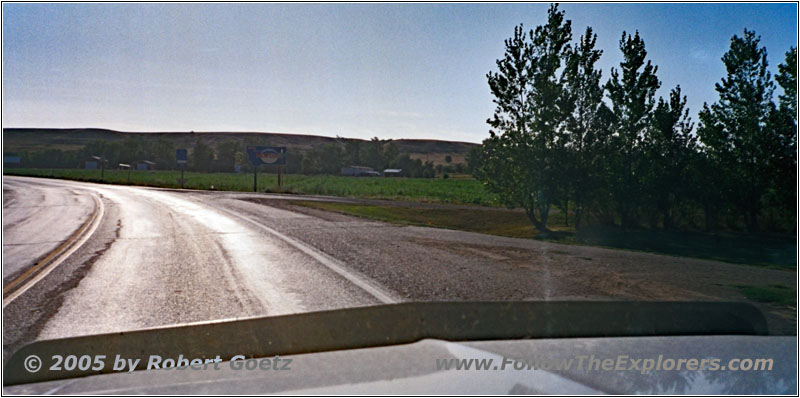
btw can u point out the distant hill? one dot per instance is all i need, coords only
(17, 140)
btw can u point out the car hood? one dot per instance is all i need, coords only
(411, 369)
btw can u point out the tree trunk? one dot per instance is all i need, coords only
(578, 216)
(541, 226)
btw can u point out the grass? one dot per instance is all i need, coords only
(456, 191)
(778, 252)
(770, 252)
(774, 294)
(486, 221)
(762, 250)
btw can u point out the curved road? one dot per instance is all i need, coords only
(37, 218)
(163, 257)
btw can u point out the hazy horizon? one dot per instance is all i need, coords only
(413, 71)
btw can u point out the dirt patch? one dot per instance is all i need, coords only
(621, 275)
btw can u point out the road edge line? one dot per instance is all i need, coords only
(334, 265)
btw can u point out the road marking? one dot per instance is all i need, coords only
(34, 274)
(334, 265)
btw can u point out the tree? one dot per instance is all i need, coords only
(390, 151)
(670, 146)
(226, 156)
(787, 79)
(521, 156)
(736, 129)
(474, 158)
(202, 156)
(632, 92)
(324, 159)
(784, 121)
(163, 153)
(372, 153)
(241, 160)
(585, 95)
(352, 152)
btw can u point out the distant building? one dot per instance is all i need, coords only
(11, 161)
(91, 163)
(393, 172)
(144, 165)
(359, 171)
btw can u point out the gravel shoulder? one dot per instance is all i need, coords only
(423, 263)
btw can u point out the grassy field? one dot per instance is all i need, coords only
(487, 221)
(457, 191)
(774, 294)
(776, 252)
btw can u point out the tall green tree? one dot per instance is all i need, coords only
(736, 129)
(226, 155)
(670, 146)
(202, 156)
(372, 153)
(163, 153)
(787, 79)
(631, 90)
(584, 138)
(784, 122)
(522, 154)
(352, 152)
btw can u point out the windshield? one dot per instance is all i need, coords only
(174, 164)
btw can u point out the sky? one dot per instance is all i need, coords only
(352, 70)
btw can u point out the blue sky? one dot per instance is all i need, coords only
(354, 70)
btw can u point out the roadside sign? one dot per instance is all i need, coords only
(272, 155)
(180, 156)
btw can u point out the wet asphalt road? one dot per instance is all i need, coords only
(164, 257)
(161, 258)
(36, 219)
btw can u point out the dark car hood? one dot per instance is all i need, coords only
(411, 369)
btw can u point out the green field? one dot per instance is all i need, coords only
(775, 294)
(457, 191)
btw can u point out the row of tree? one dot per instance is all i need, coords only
(376, 153)
(610, 151)
(226, 156)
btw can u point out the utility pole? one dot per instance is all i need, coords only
(255, 178)
(181, 157)
(102, 160)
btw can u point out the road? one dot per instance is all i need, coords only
(163, 257)
(30, 209)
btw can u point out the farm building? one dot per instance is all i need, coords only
(144, 165)
(359, 171)
(91, 163)
(393, 172)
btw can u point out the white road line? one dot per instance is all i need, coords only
(334, 265)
